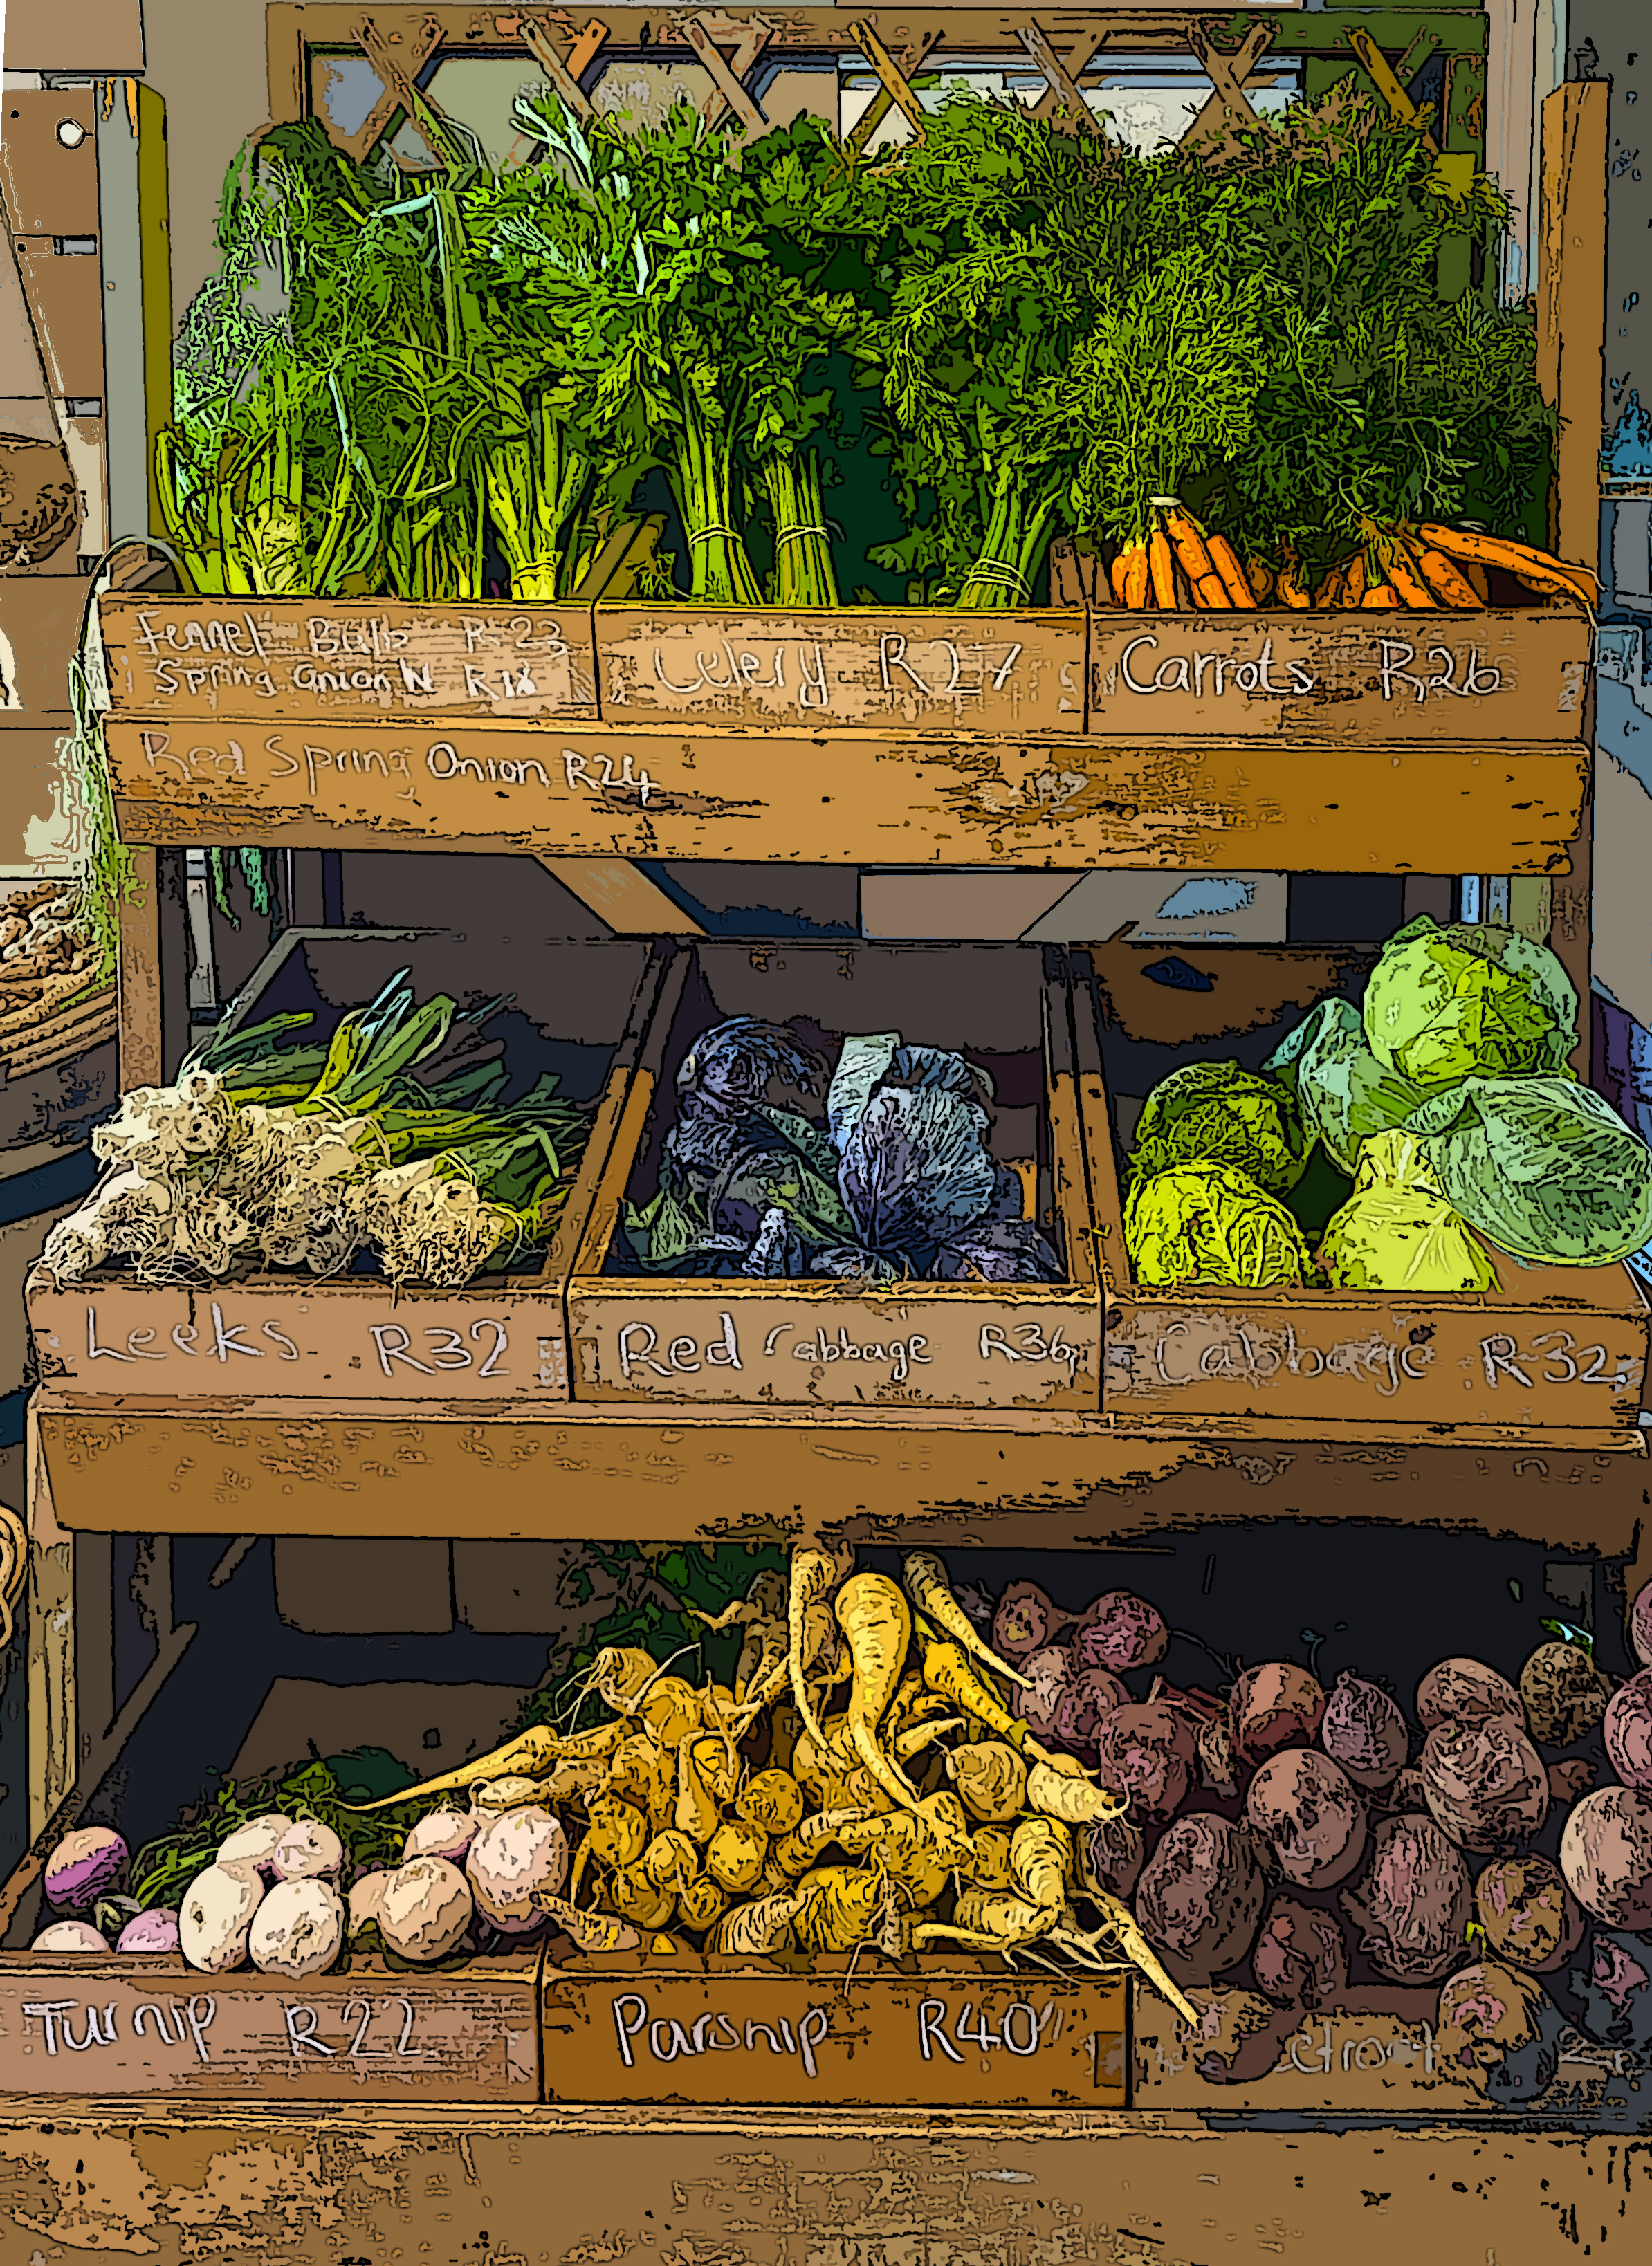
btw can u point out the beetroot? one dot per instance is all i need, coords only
(1364, 1732)
(1274, 1706)
(1049, 1674)
(1026, 1621)
(1617, 1991)
(1120, 1631)
(1466, 1692)
(1200, 1897)
(1529, 1915)
(1485, 1784)
(1607, 1856)
(1411, 1904)
(1146, 1753)
(1110, 1856)
(1299, 1959)
(1219, 1765)
(1563, 1692)
(1239, 2037)
(1629, 1727)
(1301, 1803)
(1083, 1707)
(1501, 2027)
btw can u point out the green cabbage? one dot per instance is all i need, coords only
(1202, 1222)
(1342, 1091)
(1396, 1231)
(1542, 1167)
(1445, 1003)
(1227, 1115)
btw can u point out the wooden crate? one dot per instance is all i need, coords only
(1375, 2056)
(1553, 1349)
(354, 1341)
(113, 2025)
(717, 2034)
(665, 1341)
(855, 670)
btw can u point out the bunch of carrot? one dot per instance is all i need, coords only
(1180, 566)
(861, 1783)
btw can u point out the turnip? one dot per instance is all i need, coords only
(1048, 1674)
(1120, 1631)
(1563, 1692)
(1199, 1898)
(362, 1905)
(1084, 1707)
(251, 1849)
(150, 1932)
(1501, 2028)
(1310, 1814)
(426, 1908)
(441, 1833)
(1464, 1691)
(216, 1917)
(1274, 1706)
(1530, 1917)
(1411, 1903)
(1628, 1728)
(1299, 1959)
(83, 1866)
(1026, 1621)
(69, 1935)
(1364, 1732)
(1607, 1856)
(1146, 1753)
(308, 1851)
(1485, 1784)
(517, 1853)
(299, 1929)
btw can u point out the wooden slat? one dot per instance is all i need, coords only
(540, 46)
(142, 1061)
(726, 79)
(1059, 79)
(891, 75)
(906, 63)
(1571, 305)
(1226, 105)
(619, 892)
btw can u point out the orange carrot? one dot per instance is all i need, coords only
(1521, 558)
(1291, 587)
(1211, 593)
(1449, 587)
(1334, 588)
(1189, 546)
(1136, 591)
(1225, 561)
(1406, 580)
(1260, 575)
(1162, 565)
(1380, 597)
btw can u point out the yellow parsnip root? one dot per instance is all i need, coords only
(773, 1801)
(877, 1627)
(1041, 1859)
(696, 1813)
(754, 1930)
(589, 1931)
(992, 1778)
(1058, 1788)
(812, 1573)
(926, 1583)
(702, 1903)
(1000, 1924)
(532, 1753)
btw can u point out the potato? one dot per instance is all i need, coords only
(1464, 1691)
(1310, 1814)
(1199, 1898)
(1607, 1856)
(1564, 1693)
(1411, 1903)
(1503, 2028)
(1530, 1917)
(1299, 1958)
(1364, 1731)
(215, 1918)
(299, 1929)
(1274, 1706)
(1485, 1785)
(1628, 1728)
(1147, 1754)
(425, 1908)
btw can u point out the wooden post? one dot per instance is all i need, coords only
(142, 1061)
(1571, 350)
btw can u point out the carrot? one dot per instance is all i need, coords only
(1520, 559)
(1041, 1859)
(1225, 561)
(1381, 597)
(1260, 575)
(1212, 592)
(1115, 576)
(532, 1752)
(1188, 544)
(877, 1625)
(1332, 590)
(1408, 580)
(1161, 566)
(1137, 578)
(927, 1586)
(1449, 587)
(1291, 589)
(1354, 588)
(1058, 1788)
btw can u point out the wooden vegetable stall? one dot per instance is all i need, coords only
(598, 739)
